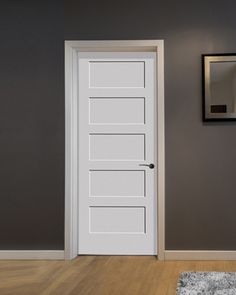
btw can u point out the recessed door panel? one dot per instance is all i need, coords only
(116, 147)
(116, 73)
(117, 110)
(117, 183)
(112, 220)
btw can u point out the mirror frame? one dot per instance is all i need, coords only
(206, 60)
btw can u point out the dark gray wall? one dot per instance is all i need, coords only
(31, 125)
(200, 158)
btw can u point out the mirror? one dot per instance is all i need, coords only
(219, 87)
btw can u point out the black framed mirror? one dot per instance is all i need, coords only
(219, 87)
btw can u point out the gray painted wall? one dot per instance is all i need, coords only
(31, 125)
(200, 157)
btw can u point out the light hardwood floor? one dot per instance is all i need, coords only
(99, 275)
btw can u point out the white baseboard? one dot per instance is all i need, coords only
(32, 254)
(200, 255)
(169, 255)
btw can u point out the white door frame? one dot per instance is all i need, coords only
(71, 138)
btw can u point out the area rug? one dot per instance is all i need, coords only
(207, 283)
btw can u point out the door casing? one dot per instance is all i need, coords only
(71, 133)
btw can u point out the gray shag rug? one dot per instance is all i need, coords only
(207, 283)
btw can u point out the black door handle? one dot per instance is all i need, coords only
(151, 166)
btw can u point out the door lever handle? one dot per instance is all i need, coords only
(151, 166)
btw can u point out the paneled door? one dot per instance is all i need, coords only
(117, 160)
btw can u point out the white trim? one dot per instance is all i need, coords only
(71, 169)
(161, 151)
(70, 156)
(32, 254)
(200, 255)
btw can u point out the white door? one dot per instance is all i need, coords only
(117, 195)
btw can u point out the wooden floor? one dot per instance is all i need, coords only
(100, 275)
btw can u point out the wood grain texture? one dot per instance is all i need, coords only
(99, 275)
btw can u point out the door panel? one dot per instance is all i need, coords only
(117, 147)
(116, 73)
(117, 183)
(121, 110)
(117, 197)
(117, 220)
